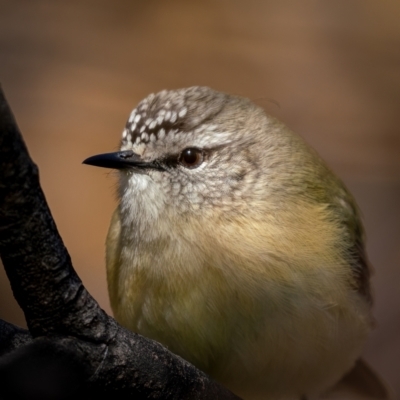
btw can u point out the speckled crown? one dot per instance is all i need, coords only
(163, 114)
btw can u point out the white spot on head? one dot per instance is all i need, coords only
(133, 127)
(142, 128)
(148, 121)
(132, 116)
(145, 136)
(161, 133)
(174, 117)
(137, 118)
(152, 137)
(137, 141)
(144, 105)
(171, 134)
(183, 112)
(124, 132)
(168, 115)
(160, 119)
(153, 124)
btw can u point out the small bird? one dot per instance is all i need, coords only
(235, 246)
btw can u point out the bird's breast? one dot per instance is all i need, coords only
(235, 306)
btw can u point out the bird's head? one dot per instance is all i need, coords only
(195, 149)
(200, 151)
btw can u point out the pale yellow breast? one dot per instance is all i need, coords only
(254, 310)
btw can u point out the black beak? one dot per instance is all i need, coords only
(120, 160)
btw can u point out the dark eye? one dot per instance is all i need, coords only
(191, 157)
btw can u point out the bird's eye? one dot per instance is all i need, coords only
(191, 157)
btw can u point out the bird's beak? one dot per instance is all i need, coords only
(119, 160)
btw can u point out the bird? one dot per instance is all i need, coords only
(235, 246)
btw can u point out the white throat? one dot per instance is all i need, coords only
(142, 205)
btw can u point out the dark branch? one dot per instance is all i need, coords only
(12, 337)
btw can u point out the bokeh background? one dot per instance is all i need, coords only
(73, 70)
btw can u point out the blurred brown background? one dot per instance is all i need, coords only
(72, 71)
